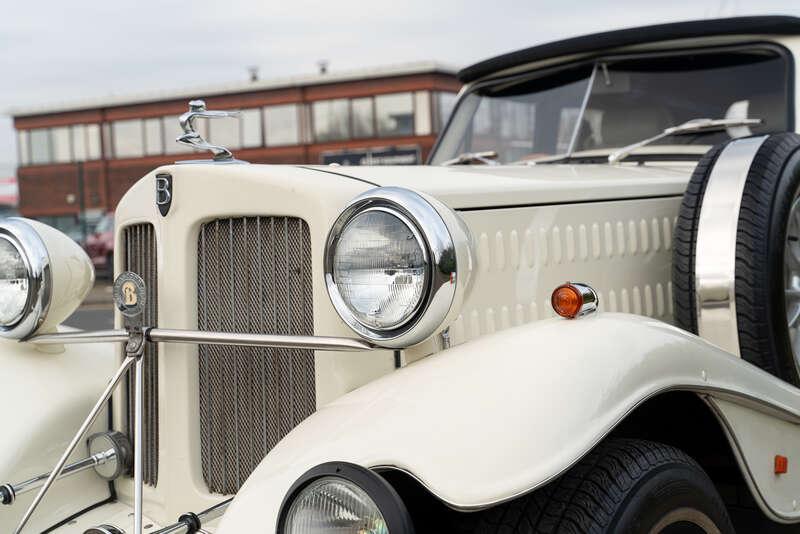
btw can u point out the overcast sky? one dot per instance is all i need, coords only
(60, 51)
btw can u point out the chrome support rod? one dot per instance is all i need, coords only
(59, 467)
(191, 523)
(63, 338)
(165, 335)
(101, 458)
(138, 411)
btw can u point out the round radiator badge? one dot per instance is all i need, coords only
(129, 294)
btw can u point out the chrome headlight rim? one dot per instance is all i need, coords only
(382, 494)
(439, 247)
(29, 244)
(415, 231)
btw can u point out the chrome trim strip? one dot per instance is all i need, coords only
(97, 336)
(138, 423)
(199, 337)
(185, 524)
(715, 246)
(95, 460)
(165, 335)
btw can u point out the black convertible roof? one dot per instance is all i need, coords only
(763, 25)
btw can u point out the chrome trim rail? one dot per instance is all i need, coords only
(95, 460)
(65, 338)
(188, 523)
(166, 335)
(715, 246)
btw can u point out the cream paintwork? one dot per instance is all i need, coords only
(465, 422)
(46, 396)
(71, 273)
(423, 418)
(202, 193)
(480, 186)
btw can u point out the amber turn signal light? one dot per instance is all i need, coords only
(781, 464)
(573, 300)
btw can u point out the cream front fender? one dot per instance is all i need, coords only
(499, 416)
(44, 397)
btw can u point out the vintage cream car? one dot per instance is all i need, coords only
(580, 317)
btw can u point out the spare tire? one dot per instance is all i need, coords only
(754, 185)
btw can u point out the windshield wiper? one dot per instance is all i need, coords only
(486, 157)
(687, 128)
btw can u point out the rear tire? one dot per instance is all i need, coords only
(622, 486)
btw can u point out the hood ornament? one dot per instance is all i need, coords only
(197, 109)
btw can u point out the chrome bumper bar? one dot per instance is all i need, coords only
(189, 523)
(198, 337)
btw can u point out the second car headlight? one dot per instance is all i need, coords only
(36, 294)
(346, 498)
(332, 504)
(397, 265)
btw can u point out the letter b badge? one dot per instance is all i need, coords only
(164, 193)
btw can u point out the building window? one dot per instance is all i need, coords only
(395, 114)
(79, 142)
(41, 148)
(93, 142)
(331, 119)
(444, 104)
(128, 138)
(153, 137)
(23, 154)
(250, 120)
(62, 149)
(422, 113)
(363, 117)
(282, 125)
(225, 132)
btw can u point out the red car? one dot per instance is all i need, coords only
(100, 246)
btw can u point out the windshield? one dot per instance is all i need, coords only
(619, 102)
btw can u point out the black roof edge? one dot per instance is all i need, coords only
(756, 25)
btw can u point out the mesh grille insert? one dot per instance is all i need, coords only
(141, 257)
(254, 276)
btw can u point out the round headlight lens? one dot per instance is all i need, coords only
(380, 268)
(14, 283)
(332, 504)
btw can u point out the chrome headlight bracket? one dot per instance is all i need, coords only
(385, 497)
(448, 252)
(33, 251)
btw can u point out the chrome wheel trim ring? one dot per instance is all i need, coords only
(686, 515)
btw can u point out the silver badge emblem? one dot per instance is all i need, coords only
(130, 294)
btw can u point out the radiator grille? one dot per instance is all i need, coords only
(141, 258)
(254, 275)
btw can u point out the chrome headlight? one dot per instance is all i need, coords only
(35, 294)
(345, 498)
(396, 264)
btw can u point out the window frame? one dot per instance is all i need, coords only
(779, 49)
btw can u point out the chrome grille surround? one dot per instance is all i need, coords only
(141, 257)
(254, 276)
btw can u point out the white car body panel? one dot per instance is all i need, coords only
(518, 400)
(481, 186)
(504, 414)
(46, 397)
